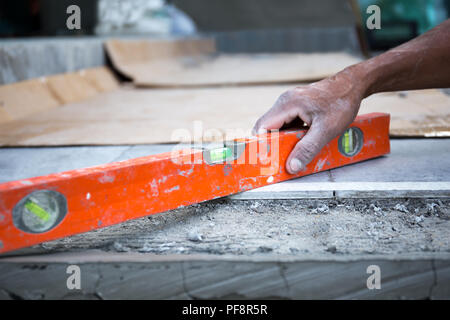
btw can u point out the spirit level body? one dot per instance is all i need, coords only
(108, 194)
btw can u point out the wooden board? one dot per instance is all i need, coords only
(23, 99)
(140, 116)
(195, 63)
(421, 113)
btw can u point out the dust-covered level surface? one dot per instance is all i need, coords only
(288, 227)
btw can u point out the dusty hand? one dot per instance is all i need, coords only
(328, 107)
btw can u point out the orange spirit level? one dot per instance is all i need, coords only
(45, 208)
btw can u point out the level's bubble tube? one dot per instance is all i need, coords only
(37, 210)
(220, 154)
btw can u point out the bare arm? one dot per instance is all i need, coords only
(329, 106)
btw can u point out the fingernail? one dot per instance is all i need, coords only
(296, 165)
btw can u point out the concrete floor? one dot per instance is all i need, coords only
(137, 276)
(273, 242)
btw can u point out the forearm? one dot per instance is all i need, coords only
(329, 106)
(418, 64)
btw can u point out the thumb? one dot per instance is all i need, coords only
(306, 149)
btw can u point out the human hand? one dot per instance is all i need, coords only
(327, 107)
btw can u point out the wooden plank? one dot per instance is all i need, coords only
(138, 116)
(23, 99)
(194, 63)
(20, 100)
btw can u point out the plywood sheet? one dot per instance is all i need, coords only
(25, 99)
(419, 113)
(71, 87)
(140, 116)
(82, 85)
(101, 78)
(195, 63)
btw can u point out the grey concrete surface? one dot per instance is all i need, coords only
(410, 160)
(22, 163)
(311, 227)
(297, 189)
(33, 58)
(131, 276)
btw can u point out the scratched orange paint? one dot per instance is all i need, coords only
(104, 195)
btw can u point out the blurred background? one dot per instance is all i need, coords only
(238, 26)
